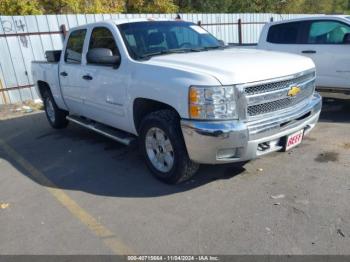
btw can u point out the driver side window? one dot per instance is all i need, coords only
(101, 37)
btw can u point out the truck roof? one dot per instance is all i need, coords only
(312, 17)
(135, 20)
(124, 21)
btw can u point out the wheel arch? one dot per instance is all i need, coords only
(144, 106)
(42, 87)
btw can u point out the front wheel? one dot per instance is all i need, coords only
(164, 149)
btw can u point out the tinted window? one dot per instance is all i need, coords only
(75, 46)
(285, 33)
(147, 38)
(101, 37)
(328, 32)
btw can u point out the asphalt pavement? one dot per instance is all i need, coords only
(72, 191)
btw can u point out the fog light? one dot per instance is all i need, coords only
(226, 153)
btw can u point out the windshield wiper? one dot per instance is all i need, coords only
(164, 52)
(216, 47)
(207, 48)
(179, 51)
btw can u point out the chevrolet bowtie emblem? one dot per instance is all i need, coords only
(294, 91)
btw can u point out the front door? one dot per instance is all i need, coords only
(328, 45)
(106, 94)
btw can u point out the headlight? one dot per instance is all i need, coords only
(212, 102)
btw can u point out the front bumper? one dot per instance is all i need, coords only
(218, 142)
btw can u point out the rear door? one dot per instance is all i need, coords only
(106, 93)
(285, 37)
(70, 72)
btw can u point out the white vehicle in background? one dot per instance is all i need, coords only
(325, 39)
(188, 99)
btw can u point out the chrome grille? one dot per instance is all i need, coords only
(252, 90)
(280, 104)
(273, 96)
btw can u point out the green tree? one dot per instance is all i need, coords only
(204, 6)
(257, 6)
(20, 7)
(102, 6)
(185, 6)
(60, 6)
(134, 6)
(161, 6)
(338, 6)
(291, 6)
(151, 6)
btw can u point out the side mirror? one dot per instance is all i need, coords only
(102, 56)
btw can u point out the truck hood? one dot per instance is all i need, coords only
(236, 66)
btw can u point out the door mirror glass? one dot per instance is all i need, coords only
(102, 56)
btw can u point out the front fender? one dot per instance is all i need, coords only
(166, 85)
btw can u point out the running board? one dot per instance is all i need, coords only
(110, 132)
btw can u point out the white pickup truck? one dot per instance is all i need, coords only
(325, 39)
(188, 99)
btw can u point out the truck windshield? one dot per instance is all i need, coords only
(147, 39)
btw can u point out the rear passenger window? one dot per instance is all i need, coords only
(285, 33)
(328, 32)
(75, 46)
(101, 37)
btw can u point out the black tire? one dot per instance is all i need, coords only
(168, 122)
(58, 121)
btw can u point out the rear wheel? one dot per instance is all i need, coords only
(55, 116)
(163, 147)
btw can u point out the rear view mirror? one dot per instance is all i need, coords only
(102, 56)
